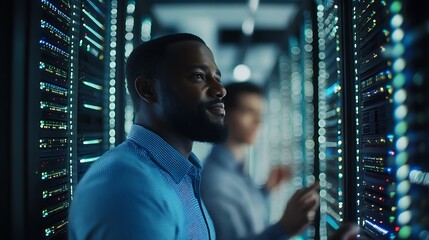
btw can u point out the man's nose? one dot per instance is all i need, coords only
(216, 89)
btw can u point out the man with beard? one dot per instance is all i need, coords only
(148, 187)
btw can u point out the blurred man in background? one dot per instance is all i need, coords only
(239, 208)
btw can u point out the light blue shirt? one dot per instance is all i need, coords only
(239, 209)
(142, 189)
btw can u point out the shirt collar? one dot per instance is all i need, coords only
(176, 165)
(223, 156)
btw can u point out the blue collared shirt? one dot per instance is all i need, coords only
(239, 208)
(142, 189)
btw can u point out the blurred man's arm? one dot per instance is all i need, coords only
(277, 175)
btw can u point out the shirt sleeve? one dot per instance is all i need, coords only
(121, 201)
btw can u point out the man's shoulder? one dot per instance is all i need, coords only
(122, 188)
(122, 156)
(214, 170)
(123, 165)
(215, 177)
(120, 176)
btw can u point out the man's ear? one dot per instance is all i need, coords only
(145, 88)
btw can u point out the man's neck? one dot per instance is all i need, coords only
(182, 144)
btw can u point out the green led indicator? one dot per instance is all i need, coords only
(396, 6)
(401, 128)
(398, 49)
(399, 80)
(405, 232)
(401, 159)
(386, 32)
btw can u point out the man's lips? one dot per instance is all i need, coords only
(217, 108)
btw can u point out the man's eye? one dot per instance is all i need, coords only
(198, 76)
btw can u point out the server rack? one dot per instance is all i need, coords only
(331, 119)
(409, 52)
(52, 171)
(302, 106)
(372, 103)
(91, 108)
(376, 195)
(272, 141)
(275, 143)
(383, 140)
(69, 105)
(289, 136)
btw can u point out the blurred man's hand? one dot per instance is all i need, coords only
(300, 210)
(277, 175)
(348, 231)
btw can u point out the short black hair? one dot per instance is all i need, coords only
(147, 57)
(235, 89)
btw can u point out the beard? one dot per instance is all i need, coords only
(194, 123)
